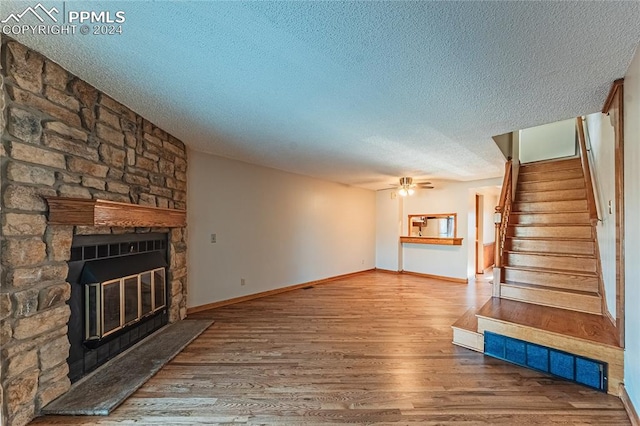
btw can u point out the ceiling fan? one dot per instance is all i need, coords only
(407, 187)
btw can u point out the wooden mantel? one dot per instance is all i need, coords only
(78, 211)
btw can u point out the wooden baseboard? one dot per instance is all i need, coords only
(388, 271)
(437, 277)
(221, 303)
(628, 405)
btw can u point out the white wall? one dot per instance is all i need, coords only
(274, 229)
(632, 229)
(602, 141)
(447, 197)
(388, 229)
(552, 140)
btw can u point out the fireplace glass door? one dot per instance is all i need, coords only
(158, 289)
(147, 302)
(112, 308)
(114, 304)
(131, 299)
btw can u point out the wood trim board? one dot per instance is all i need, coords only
(79, 211)
(213, 305)
(429, 240)
(628, 405)
(437, 277)
(611, 96)
(388, 271)
(614, 107)
(489, 255)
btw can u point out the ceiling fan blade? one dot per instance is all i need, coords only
(426, 186)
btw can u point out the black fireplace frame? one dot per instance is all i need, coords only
(86, 355)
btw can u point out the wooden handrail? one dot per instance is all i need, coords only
(612, 95)
(504, 209)
(586, 171)
(505, 193)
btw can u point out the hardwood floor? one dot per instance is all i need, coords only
(370, 349)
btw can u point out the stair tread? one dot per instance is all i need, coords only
(550, 288)
(558, 160)
(552, 212)
(529, 191)
(547, 201)
(522, 189)
(548, 253)
(527, 170)
(572, 239)
(553, 271)
(544, 176)
(546, 225)
(518, 201)
(581, 325)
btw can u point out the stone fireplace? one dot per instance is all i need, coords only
(61, 137)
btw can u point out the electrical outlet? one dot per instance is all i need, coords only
(213, 238)
(363, 261)
(242, 281)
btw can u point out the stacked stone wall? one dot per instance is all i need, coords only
(63, 137)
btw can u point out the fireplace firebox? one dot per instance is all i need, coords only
(118, 295)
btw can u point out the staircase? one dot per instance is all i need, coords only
(550, 255)
(548, 290)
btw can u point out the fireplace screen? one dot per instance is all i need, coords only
(114, 304)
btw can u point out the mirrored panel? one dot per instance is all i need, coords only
(432, 225)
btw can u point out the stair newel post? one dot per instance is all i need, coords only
(497, 269)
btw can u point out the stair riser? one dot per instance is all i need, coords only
(549, 218)
(574, 163)
(551, 206)
(550, 231)
(565, 194)
(551, 175)
(552, 246)
(556, 299)
(552, 262)
(549, 279)
(551, 185)
(468, 339)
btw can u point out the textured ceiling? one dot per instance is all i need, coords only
(354, 92)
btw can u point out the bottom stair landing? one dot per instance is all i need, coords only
(587, 335)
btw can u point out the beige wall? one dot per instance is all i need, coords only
(388, 229)
(632, 229)
(602, 142)
(274, 229)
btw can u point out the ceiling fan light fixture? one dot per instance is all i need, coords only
(406, 186)
(405, 182)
